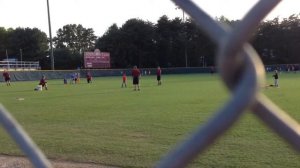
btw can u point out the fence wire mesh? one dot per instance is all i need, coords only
(242, 72)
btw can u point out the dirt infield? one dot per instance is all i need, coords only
(22, 162)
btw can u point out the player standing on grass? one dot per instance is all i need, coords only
(276, 78)
(124, 79)
(88, 77)
(136, 77)
(6, 77)
(158, 75)
(77, 81)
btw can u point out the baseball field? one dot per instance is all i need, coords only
(105, 124)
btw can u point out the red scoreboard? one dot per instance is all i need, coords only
(97, 59)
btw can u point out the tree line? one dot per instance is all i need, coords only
(168, 43)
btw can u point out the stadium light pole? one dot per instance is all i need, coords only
(50, 36)
(6, 53)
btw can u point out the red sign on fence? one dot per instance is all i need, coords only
(97, 59)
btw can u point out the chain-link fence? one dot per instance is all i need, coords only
(242, 72)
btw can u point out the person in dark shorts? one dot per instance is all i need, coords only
(77, 78)
(65, 80)
(88, 77)
(6, 77)
(158, 75)
(136, 77)
(43, 82)
(276, 78)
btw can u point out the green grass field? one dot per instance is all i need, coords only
(106, 124)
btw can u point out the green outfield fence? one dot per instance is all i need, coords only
(61, 74)
(242, 72)
(33, 75)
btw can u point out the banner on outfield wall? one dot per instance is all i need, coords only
(97, 59)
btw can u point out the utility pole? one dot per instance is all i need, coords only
(21, 54)
(7, 58)
(50, 35)
(6, 54)
(185, 42)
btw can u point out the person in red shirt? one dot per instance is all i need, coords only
(124, 78)
(88, 77)
(136, 77)
(43, 82)
(6, 77)
(158, 75)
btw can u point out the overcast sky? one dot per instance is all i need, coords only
(100, 14)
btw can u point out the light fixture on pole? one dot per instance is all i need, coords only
(50, 35)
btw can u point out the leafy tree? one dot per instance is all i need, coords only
(138, 42)
(177, 40)
(223, 19)
(174, 38)
(64, 59)
(200, 49)
(146, 44)
(111, 42)
(290, 32)
(278, 42)
(33, 43)
(76, 38)
(171, 42)
(3, 42)
(132, 44)
(141, 43)
(162, 41)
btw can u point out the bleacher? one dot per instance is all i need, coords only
(13, 65)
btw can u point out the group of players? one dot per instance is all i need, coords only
(135, 72)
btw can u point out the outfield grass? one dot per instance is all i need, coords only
(103, 123)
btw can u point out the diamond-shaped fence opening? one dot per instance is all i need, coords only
(242, 72)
